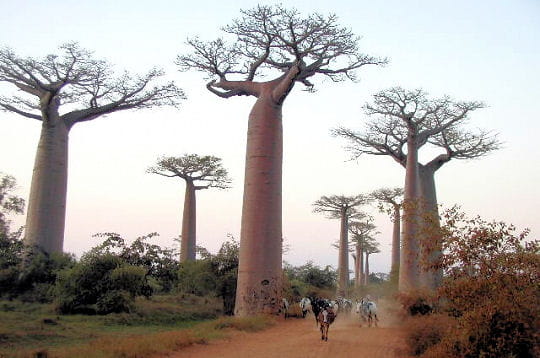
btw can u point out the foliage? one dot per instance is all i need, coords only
(161, 264)
(9, 203)
(213, 274)
(491, 289)
(206, 170)
(197, 277)
(102, 283)
(313, 275)
(11, 246)
(38, 273)
(425, 332)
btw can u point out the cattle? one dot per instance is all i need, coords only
(367, 310)
(285, 307)
(317, 305)
(305, 306)
(326, 318)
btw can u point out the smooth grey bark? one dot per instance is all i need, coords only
(189, 224)
(45, 219)
(432, 246)
(366, 273)
(396, 239)
(409, 270)
(259, 285)
(343, 260)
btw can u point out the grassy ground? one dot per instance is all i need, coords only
(162, 324)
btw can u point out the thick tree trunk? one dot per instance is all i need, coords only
(259, 285)
(366, 282)
(343, 261)
(189, 224)
(357, 276)
(431, 241)
(409, 270)
(46, 216)
(396, 244)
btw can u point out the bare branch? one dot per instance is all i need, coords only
(207, 171)
(275, 38)
(335, 206)
(75, 77)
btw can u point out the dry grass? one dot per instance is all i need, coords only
(147, 345)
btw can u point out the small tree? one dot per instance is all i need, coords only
(390, 201)
(274, 41)
(199, 172)
(61, 90)
(343, 208)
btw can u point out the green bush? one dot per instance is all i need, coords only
(115, 301)
(100, 283)
(196, 277)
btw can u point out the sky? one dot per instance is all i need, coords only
(470, 50)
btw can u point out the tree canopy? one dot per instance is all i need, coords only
(206, 170)
(440, 122)
(335, 206)
(75, 78)
(275, 38)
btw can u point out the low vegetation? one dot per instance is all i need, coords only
(488, 303)
(152, 331)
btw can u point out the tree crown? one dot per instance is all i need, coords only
(335, 206)
(276, 38)
(398, 116)
(205, 170)
(86, 85)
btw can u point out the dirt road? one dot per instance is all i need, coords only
(300, 338)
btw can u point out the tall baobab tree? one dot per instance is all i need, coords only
(199, 172)
(390, 201)
(61, 90)
(409, 119)
(361, 232)
(277, 42)
(343, 208)
(370, 247)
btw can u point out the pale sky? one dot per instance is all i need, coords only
(470, 50)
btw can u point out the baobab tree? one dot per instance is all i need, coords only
(361, 232)
(343, 208)
(280, 43)
(61, 90)
(370, 247)
(389, 201)
(199, 172)
(409, 119)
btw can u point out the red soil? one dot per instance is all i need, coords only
(301, 338)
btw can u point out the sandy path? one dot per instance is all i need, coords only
(300, 338)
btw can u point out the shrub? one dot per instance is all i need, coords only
(491, 289)
(100, 280)
(417, 303)
(114, 301)
(424, 332)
